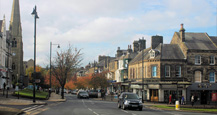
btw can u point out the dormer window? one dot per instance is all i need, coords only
(153, 53)
(197, 60)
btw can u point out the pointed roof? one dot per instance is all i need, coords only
(15, 22)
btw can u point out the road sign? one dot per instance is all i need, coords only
(37, 80)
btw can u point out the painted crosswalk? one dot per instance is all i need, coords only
(33, 110)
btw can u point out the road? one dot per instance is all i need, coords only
(74, 106)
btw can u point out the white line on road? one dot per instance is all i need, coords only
(90, 109)
(125, 111)
(134, 114)
(34, 108)
(29, 107)
(95, 113)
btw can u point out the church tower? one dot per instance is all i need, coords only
(16, 42)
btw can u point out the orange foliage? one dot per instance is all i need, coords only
(83, 82)
(70, 85)
(54, 81)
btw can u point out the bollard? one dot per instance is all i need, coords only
(177, 105)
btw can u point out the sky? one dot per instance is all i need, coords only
(98, 27)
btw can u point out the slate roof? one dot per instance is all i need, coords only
(164, 51)
(198, 41)
(214, 39)
(171, 51)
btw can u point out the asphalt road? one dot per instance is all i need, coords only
(74, 106)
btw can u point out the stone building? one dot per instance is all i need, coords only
(185, 67)
(5, 55)
(15, 29)
(200, 51)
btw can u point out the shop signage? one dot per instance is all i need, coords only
(204, 85)
(214, 96)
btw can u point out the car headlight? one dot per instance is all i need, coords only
(126, 102)
(140, 102)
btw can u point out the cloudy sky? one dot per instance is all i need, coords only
(98, 27)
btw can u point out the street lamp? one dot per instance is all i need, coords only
(50, 62)
(35, 14)
(142, 45)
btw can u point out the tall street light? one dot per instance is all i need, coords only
(58, 46)
(35, 14)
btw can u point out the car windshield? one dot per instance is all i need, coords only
(83, 92)
(131, 96)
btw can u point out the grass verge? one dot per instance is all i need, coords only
(187, 109)
(29, 93)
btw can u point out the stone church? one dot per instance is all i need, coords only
(15, 29)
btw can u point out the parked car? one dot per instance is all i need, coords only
(93, 93)
(74, 92)
(129, 100)
(82, 94)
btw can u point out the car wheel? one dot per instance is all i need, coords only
(140, 109)
(119, 106)
(124, 108)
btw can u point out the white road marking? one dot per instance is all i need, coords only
(95, 113)
(90, 109)
(29, 107)
(33, 108)
(134, 114)
(125, 111)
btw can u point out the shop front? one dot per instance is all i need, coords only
(204, 93)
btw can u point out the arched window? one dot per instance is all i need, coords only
(198, 76)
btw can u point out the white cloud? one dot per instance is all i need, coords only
(107, 23)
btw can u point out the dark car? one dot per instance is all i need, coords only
(129, 100)
(93, 93)
(83, 94)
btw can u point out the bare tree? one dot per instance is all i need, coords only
(65, 65)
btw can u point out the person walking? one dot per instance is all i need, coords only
(170, 99)
(192, 100)
(182, 100)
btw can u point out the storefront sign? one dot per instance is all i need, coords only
(214, 96)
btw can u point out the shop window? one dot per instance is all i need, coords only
(178, 71)
(212, 60)
(197, 60)
(197, 76)
(212, 77)
(154, 71)
(167, 71)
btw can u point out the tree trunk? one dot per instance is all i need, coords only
(62, 92)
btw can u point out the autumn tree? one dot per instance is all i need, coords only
(39, 69)
(83, 82)
(65, 65)
(99, 80)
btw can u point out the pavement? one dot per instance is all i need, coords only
(11, 100)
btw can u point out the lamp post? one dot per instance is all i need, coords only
(142, 45)
(35, 14)
(50, 62)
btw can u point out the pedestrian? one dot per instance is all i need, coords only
(4, 85)
(170, 99)
(192, 100)
(182, 100)
(102, 94)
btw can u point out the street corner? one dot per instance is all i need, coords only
(9, 111)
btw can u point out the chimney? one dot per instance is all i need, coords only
(129, 50)
(155, 41)
(182, 33)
